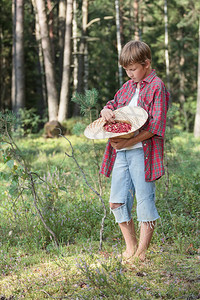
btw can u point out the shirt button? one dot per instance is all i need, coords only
(144, 144)
(146, 157)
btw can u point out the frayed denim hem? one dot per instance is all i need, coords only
(149, 223)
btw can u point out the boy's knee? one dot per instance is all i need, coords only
(115, 205)
(120, 211)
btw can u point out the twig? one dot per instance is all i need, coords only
(38, 210)
(22, 162)
(41, 179)
(20, 193)
(88, 184)
(12, 142)
(65, 297)
(97, 164)
(96, 161)
(61, 297)
(167, 177)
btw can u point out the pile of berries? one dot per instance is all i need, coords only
(117, 127)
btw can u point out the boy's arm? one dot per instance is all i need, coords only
(113, 104)
(119, 143)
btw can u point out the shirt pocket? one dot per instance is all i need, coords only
(146, 102)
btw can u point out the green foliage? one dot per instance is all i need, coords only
(74, 213)
(71, 122)
(44, 192)
(78, 128)
(79, 272)
(27, 121)
(107, 280)
(7, 122)
(30, 121)
(86, 101)
(88, 104)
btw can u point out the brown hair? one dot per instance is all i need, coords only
(134, 52)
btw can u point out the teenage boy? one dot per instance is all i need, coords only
(136, 163)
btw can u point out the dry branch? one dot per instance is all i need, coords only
(21, 160)
(89, 185)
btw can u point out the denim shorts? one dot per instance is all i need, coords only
(128, 180)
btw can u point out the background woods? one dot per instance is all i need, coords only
(51, 49)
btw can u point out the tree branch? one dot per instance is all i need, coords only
(89, 185)
(98, 19)
(38, 210)
(22, 162)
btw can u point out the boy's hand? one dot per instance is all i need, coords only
(119, 143)
(108, 115)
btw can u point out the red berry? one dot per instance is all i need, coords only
(117, 127)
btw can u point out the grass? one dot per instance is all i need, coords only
(32, 267)
(77, 272)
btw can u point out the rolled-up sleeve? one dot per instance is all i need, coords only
(112, 104)
(123, 96)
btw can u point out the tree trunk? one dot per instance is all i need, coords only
(61, 36)
(1, 68)
(64, 93)
(81, 64)
(18, 88)
(85, 56)
(121, 14)
(76, 108)
(86, 66)
(182, 80)
(136, 19)
(43, 99)
(5, 96)
(48, 61)
(50, 26)
(52, 97)
(75, 48)
(166, 46)
(141, 21)
(197, 116)
(119, 45)
(13, 92)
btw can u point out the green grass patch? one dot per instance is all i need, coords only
(33, 268)
(80, 272)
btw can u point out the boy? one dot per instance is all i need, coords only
(137, 162)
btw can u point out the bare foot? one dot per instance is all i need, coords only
(127, 254)
(140, 257)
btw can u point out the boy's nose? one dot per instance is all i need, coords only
(130, 74)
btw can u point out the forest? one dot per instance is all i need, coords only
(50, 52)
(59, 65)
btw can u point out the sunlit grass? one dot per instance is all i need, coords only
(81, 272)
(33, 268)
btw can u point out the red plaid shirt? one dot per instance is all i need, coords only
(154, 98)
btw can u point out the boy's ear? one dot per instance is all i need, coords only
(147, 63)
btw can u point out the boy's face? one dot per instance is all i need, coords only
(138, 72)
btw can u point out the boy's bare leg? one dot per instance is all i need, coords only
(146, 232)
(128, 231)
